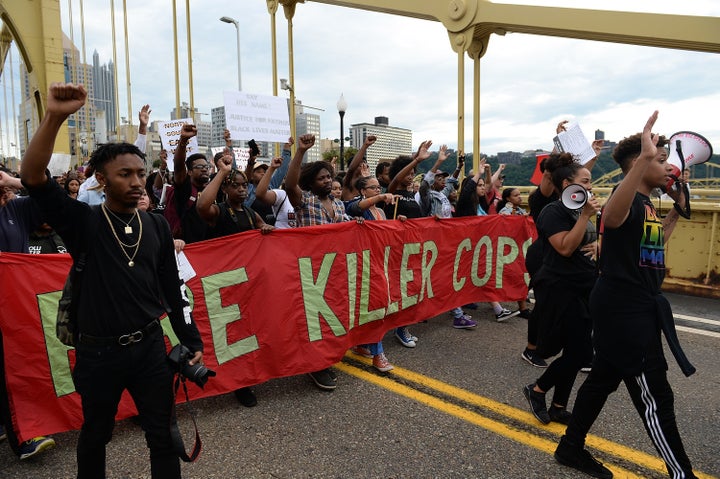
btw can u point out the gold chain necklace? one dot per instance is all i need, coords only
(128, 228)
(122, 245)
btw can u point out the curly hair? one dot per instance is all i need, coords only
(110, 151)
(398, 164)
(629, 148)
(362, 182)
(310, 170)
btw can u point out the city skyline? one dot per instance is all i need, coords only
(404, 69)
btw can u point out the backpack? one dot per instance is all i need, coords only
(66, 322)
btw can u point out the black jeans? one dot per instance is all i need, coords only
(653, 399)
(101, 374)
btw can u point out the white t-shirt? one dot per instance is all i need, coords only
(283, 210)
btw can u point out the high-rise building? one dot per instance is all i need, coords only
(90, 125)
(392, 141)
(599, 135)
(308, 124)
(104, 94)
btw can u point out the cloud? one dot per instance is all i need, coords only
(405, 69)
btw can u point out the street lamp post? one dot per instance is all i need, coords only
(237, 28)
(342, 107)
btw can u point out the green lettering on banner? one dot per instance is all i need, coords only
(367, 316)
(406, 275)
(465, 245)
(221, 316)
(57, 352)
(503, 259)
(477, 280)
(426, 284)
(392, 305)
(314, 297)
(351, 259)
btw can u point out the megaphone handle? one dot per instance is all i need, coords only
(685, 213)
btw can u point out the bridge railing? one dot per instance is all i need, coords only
(692, 256)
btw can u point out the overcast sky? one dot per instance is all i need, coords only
(405, 69)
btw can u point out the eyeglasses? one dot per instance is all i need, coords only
(201, 167)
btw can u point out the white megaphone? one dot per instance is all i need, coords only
(574, 196)
(686, 149)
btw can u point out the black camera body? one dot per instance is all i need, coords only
(179, 358)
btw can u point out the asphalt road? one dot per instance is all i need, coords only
(452, 408)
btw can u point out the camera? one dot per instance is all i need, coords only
(179, 358)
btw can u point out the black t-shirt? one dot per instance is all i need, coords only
(406, 206)
(181, 213)
(231, 221)
(537, 201)
(626, 331)
(553, 219)
(634, 253)
(117, 299)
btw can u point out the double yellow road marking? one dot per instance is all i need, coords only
(502, 428)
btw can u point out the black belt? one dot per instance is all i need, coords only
(124, 340)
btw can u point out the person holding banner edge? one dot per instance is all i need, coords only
(308, 188)
(124, 289)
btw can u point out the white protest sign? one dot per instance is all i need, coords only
(170, 137)
(258, 117)
(242, 155)
(59, 164)
(572, 140)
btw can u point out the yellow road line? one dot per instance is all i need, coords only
(500, 428)
(640, 458)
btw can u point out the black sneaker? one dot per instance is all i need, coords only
(324, 379)
(525, 313)
(559, 414)
(578, 458)
(537, 403)
(246, 396)
(532, 357)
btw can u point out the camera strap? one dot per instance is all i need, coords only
(175, 431)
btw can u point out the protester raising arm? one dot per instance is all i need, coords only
(617, 207)
(179, 169)
(277, 178)
(206, 207)
(422, 154)
(262, 192)
(143, 118)
(294, 191)
(63, 100)
(353, 171)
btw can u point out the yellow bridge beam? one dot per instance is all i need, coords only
(480, 18)
(35, 27)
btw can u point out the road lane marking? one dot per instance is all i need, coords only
(701, 332)
(697, 319)
(505, 430)
(609, 447)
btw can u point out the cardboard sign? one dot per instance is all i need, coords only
(170, 137)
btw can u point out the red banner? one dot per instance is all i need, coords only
(274, 305)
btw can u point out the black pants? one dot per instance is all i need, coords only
(5, 414)
(576, 352)
(653, 398)
(101, 375)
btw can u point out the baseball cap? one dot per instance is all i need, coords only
(442, 173)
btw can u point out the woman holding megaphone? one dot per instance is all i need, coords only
(562, 288)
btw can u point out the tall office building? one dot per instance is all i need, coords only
(391, 140)
(104, 97)
(81, 124)
(308, 124)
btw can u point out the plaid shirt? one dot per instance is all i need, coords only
(311, 212)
